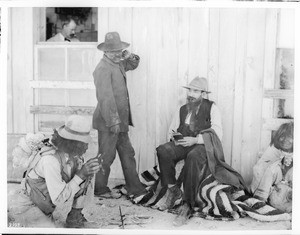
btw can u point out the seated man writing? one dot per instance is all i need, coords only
(201, 129)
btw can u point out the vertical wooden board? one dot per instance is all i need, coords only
(198, 44)
(167, 71)
(120, 20)
(269, 70)
(286, 25)
(239, 77)
(152, 93)
(253, 90)
(213, 53)
(103, 22)
(170, 36)
(39, 24)
(22, 66)
(183, 54)
(227, 50)
(10, 121)
(138, 90)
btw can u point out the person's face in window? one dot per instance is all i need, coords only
(69, 29)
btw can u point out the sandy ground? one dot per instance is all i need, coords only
(105, 214)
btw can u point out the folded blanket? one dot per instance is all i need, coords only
(225, 202)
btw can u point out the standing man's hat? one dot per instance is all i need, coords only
(198, 84)
(112, 43)
(76, 128)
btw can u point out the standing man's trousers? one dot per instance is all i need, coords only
(109, 143)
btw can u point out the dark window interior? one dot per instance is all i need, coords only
(85, 18)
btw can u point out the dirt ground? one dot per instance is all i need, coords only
(105, 214)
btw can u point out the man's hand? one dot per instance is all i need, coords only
(187, 141)
(115, 129)
(126, 54)
(90, 168)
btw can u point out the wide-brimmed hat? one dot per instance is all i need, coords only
(198, 83)
(76, 128)
(112, 42)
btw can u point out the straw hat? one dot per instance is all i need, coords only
(198, 83)
(76, 128)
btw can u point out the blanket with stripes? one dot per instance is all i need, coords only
(223, 202)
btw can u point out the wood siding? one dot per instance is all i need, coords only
(234, 48)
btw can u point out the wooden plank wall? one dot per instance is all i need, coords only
(233, 48)
(21, 70)
(225, 45)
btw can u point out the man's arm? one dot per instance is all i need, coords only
(59, 190)
(105, 97)
(131, 62)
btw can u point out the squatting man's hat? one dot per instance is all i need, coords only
(76, 128)
(198, 83)
(112, 43)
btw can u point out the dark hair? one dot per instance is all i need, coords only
(285, 130)
(67, 21)
(71, 147)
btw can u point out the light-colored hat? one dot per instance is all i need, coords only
(112, 43)
(198, 84)
(76, 128)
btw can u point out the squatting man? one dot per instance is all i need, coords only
(56, 173)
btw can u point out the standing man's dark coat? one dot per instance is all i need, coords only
(112, 95)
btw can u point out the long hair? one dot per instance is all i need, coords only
(286, 130)
(71, 147)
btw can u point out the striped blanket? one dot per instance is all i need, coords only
(215, 201)
(223, 202)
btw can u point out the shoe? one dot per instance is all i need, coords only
(138, 197)
(158, 196)
(109, 195)
(76, 219)
(171, 198)
(185, 213)
(156, 190)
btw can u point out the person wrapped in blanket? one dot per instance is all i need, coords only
(272, 174)
(200, 147)
(56, 174)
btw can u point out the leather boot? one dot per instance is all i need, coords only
(76, 219)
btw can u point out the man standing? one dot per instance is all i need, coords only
(112, 115)
(67, 33)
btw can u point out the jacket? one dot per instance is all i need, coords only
(113, 105)
(216, 162)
